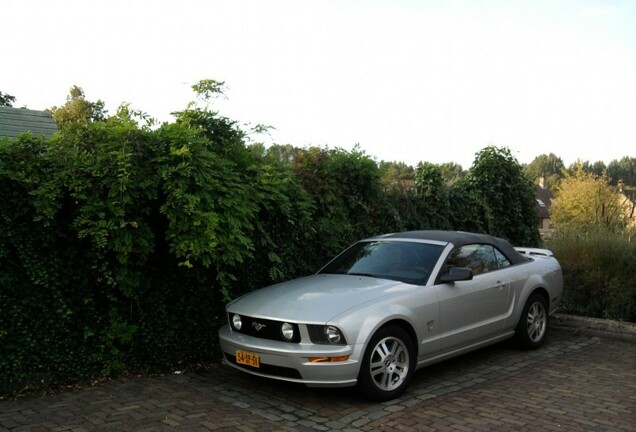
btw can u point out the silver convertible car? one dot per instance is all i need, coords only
(391, 304)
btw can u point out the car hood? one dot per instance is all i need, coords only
(314, 299)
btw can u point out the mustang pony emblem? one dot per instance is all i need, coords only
(258, 326)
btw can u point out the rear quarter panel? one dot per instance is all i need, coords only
(541, 273)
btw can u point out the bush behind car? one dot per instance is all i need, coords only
(120, 243)
(598, 271)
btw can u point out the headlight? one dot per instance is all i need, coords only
(333, 334)
(287, 330)
(236, 321)
(326, 335)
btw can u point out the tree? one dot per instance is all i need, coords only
(6, 99)
(549, 167)
(396, 175)
(597, 168)
(432, 191)
(624, 169)
(282, 152)
(452, 172)
(507, 194)
(78, 111)
(469, 209)
(161, 228)
(585, 201)
(207, 89)
(347, 196)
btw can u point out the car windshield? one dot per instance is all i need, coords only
(409, 262)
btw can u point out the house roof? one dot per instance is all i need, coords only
(543, 198)
(14, 121)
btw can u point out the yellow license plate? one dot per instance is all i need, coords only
(248, 358)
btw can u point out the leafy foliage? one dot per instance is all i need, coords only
(622, 170)
(470, 211)
(345, 190)
(78, 111)
(396, 173)
(598, 271)
(549, 167)
(586, 201)
(508, 196)
(120, 242)
(452, 172)
(283, 153)
(597, 168)
(6, 100)
(432, 190)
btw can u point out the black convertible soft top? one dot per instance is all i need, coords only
(460, 238)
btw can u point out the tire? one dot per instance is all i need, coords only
(388, 364)
(532, 328)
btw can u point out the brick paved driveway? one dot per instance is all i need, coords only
(575, 383)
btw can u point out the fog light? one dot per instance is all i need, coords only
(287, 330)
(236, 321)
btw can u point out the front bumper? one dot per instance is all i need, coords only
(290, 361)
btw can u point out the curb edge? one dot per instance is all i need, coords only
(595, 326)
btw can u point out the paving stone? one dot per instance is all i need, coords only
(576, 382)
(361, 422)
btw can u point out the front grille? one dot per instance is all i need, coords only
(266, 369)
(264, 329)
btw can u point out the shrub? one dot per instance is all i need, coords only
(598, 270)
(120, 244)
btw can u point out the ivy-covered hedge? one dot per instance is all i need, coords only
(120, 244)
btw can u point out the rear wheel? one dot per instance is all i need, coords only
(533, 324)
(388, 364)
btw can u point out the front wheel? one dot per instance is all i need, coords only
(388, 364)
(533, 324)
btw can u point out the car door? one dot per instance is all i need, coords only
(474, 310)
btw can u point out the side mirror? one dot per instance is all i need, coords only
(455, 274)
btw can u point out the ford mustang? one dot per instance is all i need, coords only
(391, 304)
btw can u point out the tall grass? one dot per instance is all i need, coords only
(599, 271)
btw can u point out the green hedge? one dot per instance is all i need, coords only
(120, 244)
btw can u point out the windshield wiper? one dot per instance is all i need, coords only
(363, 274)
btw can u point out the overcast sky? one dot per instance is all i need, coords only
(408, 80)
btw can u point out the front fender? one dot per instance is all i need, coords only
(419, 311)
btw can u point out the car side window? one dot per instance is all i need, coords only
(502, 261)
(477, 257)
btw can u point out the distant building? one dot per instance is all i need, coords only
(629, 194)
(543, 198)
(14, 121)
